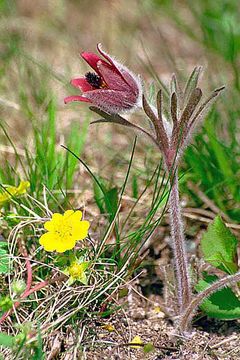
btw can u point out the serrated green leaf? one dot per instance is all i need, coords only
(7, 340)
(4, 261)
(6, 303)
(223, 304)
(3, 244)
(219, 247)
(219, 262)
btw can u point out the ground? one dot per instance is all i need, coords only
(111, 337)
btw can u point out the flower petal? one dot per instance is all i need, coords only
(54, 222)
(80, 230)
(22, 188)
(107, 56)
(130, 79)
(48, 241)
(49, 225)
(82, 84)
(126, 88)
(4, 197)
(112, 78)
(92, 59)
(76, 216)
(57, 217)
(75, 98)
(112, 101)
(66, 245)
(68, 213)
(73, 217)
(133, 81)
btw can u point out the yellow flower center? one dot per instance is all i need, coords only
(63, 231)
(75, 270)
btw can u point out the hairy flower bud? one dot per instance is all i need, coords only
(18, 287)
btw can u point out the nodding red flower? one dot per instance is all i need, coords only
(112, 87)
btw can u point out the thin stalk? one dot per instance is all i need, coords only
(194, 304)
(178, 245)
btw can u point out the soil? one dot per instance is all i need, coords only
(112, 337)
(209, 340)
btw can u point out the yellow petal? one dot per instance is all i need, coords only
(22, 188)
(77, 216)
(67, 245)
(136, 340)
(57, 217)
(68, 213)
(80, 230)
(4, 197)
(49, 225)
(48, 241)
(109, 327)
(54, 222)
(10, 190)
(6, 193)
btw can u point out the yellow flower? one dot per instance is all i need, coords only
(64, 231)
(108, 327)
(136, 340)
(76, 272)
(8, 191)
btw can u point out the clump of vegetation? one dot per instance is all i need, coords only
(76, 227)
(171, 138)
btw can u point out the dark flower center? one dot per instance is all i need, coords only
(94, 80)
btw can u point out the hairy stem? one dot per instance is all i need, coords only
(179, 250)
(194, 304)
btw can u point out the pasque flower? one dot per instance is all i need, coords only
(111, 87)
(64, 231)
(186, 111)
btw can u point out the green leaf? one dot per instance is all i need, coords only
(219, 247)
(223, 157)
(3, 244)
(4, 260)
(111, 202)
(98, 197)
(149, 347)
(135, 186)
(7, 340)
(5, 303)
(38, 351)
(223, 304)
